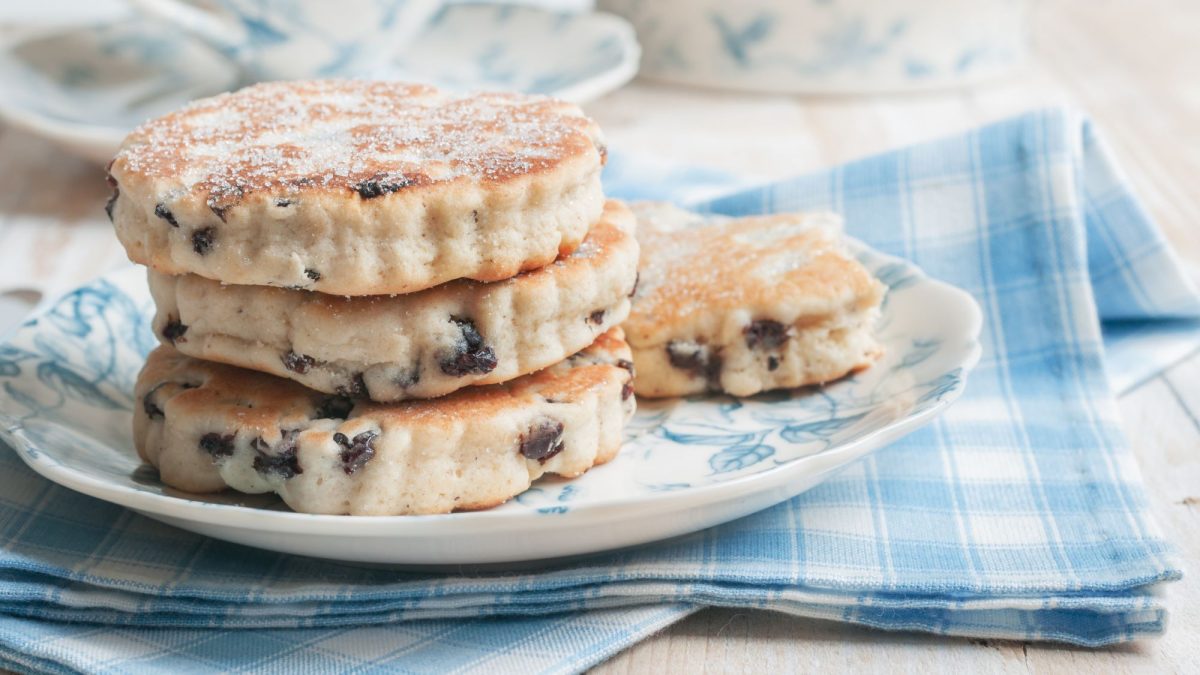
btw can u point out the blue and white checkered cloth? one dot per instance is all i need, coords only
(1018, 514)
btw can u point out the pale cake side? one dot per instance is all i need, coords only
(418, 345)
(206, 426)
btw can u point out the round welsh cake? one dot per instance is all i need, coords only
(743, 305)
(356, 187)
(207, 426)
(418, 345)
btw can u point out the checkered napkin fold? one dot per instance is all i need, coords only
(1018, 514)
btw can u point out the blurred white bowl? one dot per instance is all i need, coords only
(827, 46)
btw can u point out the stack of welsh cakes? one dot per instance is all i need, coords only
(377, 298)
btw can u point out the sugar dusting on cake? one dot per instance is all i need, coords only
(374, 138)
(693, 266)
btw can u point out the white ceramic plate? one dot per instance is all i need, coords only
(85, 87)
(66, 382)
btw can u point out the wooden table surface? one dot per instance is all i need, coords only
(1134, 67)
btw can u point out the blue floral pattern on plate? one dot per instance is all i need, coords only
(66, 380)
(69, 374)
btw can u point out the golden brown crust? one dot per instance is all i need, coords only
(285, 139)
(747, 305)
(753, 265)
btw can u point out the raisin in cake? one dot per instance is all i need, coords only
(748, 304)
(357, 188)
(206, 426)
(419, 345)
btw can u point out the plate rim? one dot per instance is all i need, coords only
(249, 518)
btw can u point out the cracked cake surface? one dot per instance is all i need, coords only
(357, 187)
(743, 305)
(207, 426)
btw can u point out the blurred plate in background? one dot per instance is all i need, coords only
(85, 87)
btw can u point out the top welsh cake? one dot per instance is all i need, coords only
(743, 305)
(357, 188)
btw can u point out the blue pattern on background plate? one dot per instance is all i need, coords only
(88, 86)
(505, 47)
